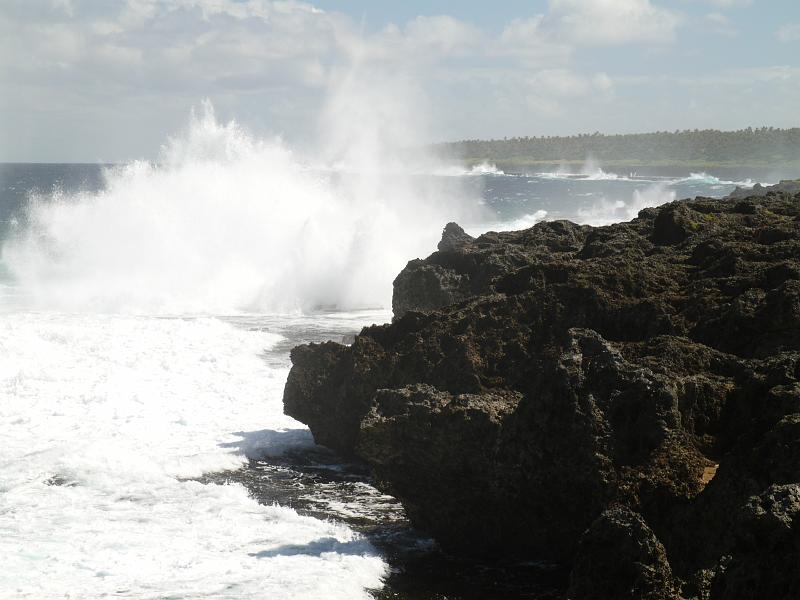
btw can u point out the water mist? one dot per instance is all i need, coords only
(225, 222)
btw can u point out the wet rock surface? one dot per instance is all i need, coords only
(624, 400)
(315, 482)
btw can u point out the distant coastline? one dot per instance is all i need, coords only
(762, 148)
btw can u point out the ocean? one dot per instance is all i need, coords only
(147, 312)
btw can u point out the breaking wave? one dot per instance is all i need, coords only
(484, 168)
(523, 222)
(607, 211)
(706, 179)
(227, 223)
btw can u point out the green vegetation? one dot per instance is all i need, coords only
(701, 149)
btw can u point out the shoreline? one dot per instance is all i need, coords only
(755, 171)
(623, 400)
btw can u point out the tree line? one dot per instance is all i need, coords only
(752, 145)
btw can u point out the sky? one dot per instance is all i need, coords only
(110, 80)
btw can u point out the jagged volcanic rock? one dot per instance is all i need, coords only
(620, 557)
(625, 395)
(789, 186)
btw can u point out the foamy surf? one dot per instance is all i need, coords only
(459, 170)
(606, 211)
(484, 168)
(704, 178)
(106, 420)
(592, 171)
(523, 222)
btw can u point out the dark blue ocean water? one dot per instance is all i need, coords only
(19, 182)
(587, 197)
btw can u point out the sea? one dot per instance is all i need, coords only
(147, 311)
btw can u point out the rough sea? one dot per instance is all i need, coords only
(146, 317)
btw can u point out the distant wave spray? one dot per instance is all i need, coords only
(605, 211)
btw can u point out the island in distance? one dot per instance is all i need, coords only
(623, 400)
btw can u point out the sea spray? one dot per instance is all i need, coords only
(225, 222)
(523, 222)
(606, 211)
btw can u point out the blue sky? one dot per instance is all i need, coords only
(89, 80)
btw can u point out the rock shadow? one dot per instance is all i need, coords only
(318, 547)
(265, 443)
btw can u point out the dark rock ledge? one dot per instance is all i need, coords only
(621, 399)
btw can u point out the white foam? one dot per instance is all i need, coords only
(704, 178)
(103, 417)
(459, 170)
(485, 168)
(227, 223)
(523, 222)
(590, 171)
(606, 211)
(596, 175)
(601, 175)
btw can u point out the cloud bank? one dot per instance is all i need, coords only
(91, 81)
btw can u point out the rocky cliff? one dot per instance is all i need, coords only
(788, 186)
(622, 399)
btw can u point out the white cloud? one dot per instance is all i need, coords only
(729, 78)
(443, 34)
(717, 19)
(721, 24)
(530, 41)
(63, 5)
(190, 43)
(197, 48)
(789, 33)
(526, 97)
(107, 79)
(585, 22)
(421, 41)
(603, 82)
(560, 83)
(730, 3)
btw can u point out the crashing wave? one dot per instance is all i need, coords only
(485, 168)
(707, 179)
(227, 223)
